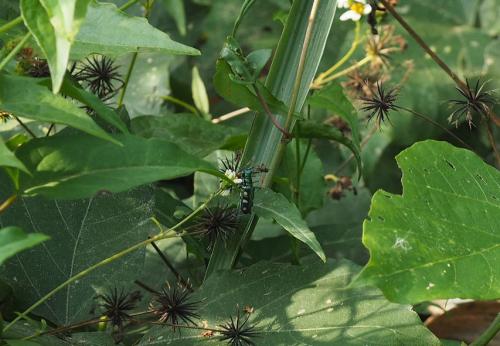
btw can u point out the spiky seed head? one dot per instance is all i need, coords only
(475, 100)
(218, 222)
(116, 305)
(100, 75)
(238, 332)
(174, 305)
(380, 104)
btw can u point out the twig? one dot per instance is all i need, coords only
(285, 133)
(25, 127)
(363, 143)
(7, 203)
(178, 276)
(424, 45)
(231, 115)
(426, 118)
(50, 129)
(493, 143)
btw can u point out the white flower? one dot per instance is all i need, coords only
(233, 176)
(357, 8)
(343, 3)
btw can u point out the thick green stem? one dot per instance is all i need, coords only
(489, 333)
(264, 141)
(13, 52)
(127, 80)
(13, 23)
(180, 103)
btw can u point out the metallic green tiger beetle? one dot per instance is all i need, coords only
(247, 188)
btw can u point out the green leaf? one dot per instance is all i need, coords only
(489, 15)
(14, 240)
(80, 166)
(176, 10)
(312, 184)
(54, 24)
(83, 232)
(339, 226)
(199, 92)
(272, 205)
(38, 103)
(191, 133)
(313, 129)
(7, 158)
(333, 99)
(240, 95)
(301, 305)
(73, 90)
(111, 32)
(441, 238)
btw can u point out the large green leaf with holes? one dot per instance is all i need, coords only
(441, 238)
(301, 305)
(82, 233)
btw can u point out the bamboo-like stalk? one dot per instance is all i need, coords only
(263, 144)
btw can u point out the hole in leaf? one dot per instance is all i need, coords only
(494, 197)
(480, 177)
(450, 164)
(381, 218)
(388, 196)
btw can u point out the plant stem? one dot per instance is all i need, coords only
(14, 51)
(23, 125)
(296, 190)
(9, 25)
(178, 276)
(424, 45)
(127, 79)
(363, 143)
(180, 103)
(162, 235)
(493, 143)
(128, 4)
(489, 333)
(300, 68)
(269, 113)
(317, 83)
(7, 203)
(231, 115)
(295, 90)
(348, 70)
(435, 123)
(50, 129)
